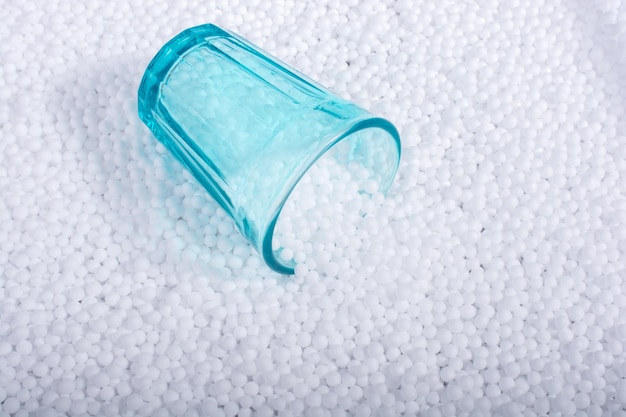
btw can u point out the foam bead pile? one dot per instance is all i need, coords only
(490, 281)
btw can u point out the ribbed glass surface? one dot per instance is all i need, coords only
(248, 127)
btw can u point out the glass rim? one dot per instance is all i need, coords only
(270, 255)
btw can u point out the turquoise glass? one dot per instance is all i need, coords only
(248, 127)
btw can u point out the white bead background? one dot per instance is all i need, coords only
(491, 281)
